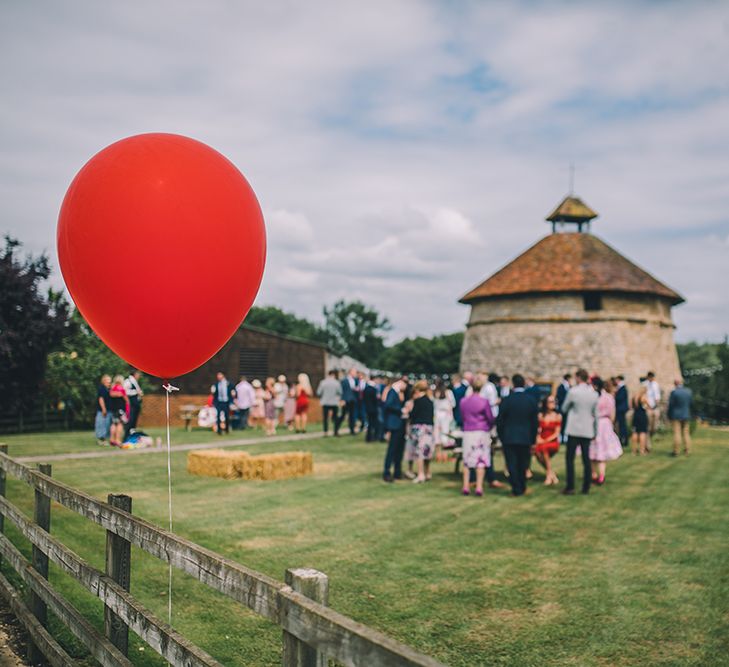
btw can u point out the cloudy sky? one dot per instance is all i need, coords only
(401, 151)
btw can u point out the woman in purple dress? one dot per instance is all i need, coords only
(478, 420)
(606, 445)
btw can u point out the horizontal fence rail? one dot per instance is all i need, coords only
(98, 645)
(304, 620)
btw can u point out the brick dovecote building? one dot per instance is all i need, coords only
(569, 301)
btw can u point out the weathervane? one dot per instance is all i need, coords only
(572, 179)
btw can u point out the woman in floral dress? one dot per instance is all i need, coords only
(606, 445)
(421, 443)
(478, 420)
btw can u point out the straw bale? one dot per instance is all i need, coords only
(215, 463)
(240, 465)
(282, 465)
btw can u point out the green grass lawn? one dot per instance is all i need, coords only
(636, 573)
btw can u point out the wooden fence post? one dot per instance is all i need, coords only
(315, 585)
(42, 517)
(4, 450)
(119, 568)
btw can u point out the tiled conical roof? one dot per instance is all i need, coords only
(572, 209)
(570, 262)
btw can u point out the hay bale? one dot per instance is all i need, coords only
(282, 465)
(215, 463)
(240, 465)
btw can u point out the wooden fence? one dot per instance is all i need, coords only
(41, 418)
(312, 632)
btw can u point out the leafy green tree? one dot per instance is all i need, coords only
(32, 322)
(705, 367)
(432, 356)
(356, 329)
(75, 369)
(721, 383)
(279, 321)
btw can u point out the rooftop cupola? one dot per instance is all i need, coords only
(571, 211)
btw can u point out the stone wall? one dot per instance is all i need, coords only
(546, 336)
(570, 307)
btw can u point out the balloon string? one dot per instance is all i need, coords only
(169, 389)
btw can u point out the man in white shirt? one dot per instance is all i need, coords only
(135, 393)
(504, 387)
(653, 394)
(491, 393)
(280, 392)
(244, 399)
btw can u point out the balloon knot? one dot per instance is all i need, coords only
(169, 388)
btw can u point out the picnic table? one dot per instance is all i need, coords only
(457, 447)
(188, 413)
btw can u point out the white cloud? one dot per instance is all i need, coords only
(402, 151)
(288, 230)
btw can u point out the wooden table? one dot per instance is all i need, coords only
(456, 448)
(188, 413)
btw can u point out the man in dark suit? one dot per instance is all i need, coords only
(517, 426)
(371, 401)
(562, 390)
(533, 390)
(622, 405)
(460, 388)
(561, 394)
(395, 428)
(223, 393)
(350, 393)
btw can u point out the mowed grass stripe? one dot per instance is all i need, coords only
(634, 573)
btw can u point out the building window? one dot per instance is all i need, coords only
(593, 301)
(253, 362)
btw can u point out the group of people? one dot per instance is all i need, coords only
(118, 404)
(269, 405)
(588, 416)
(354, 397)
(646, 410)
(420, 421)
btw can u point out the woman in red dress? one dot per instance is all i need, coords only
(303, 392)
(550, 427)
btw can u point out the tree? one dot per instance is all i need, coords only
(75, 369)
(357, 330)
(705, 367)
(720, 384)
(32, 322)
(431, 356)
(275, 319)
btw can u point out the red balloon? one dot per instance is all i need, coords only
(162, 246)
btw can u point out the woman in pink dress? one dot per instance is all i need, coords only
(257, 415)
(606, 446)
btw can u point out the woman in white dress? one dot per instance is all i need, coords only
(444, 403)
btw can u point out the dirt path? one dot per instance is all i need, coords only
(224, 442)
(12, 642)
